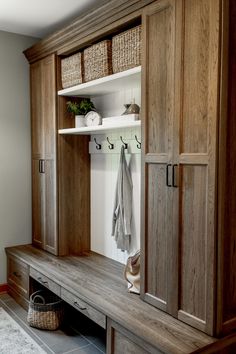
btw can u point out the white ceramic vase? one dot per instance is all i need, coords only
(79, 121)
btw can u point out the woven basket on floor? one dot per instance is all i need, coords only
(72, 70)
(45, 310)
(126, 50)
(97, 61)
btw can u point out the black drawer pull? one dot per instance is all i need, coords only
(17, 274)
(42, 281)
(79, 306)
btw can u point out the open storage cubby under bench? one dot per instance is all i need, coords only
(95, 286)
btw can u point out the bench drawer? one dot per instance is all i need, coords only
(84, 308)
(48, 283)
(18, 276)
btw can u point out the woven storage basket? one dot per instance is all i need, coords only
(126, 50)
(97, 61)
(72, 70)
(45, 310)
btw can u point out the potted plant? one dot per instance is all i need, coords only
(80, 109)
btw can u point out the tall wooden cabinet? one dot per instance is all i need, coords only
(60, 202)
(184, 110)
(43, 115)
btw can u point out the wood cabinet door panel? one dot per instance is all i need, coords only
(158, 67)
(157, 206)
(43, 110)
(194, 150)
(120, 341)
(38, 217)
(48, 80)
(51, 239)
(36, 110)
(158, 76)
(193, 243)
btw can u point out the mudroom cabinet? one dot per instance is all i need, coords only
(56, 219)
(44, 181)
(184, 111)
(188, 123)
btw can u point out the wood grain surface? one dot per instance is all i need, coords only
(99, 282)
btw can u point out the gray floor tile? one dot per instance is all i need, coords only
(63, 340)
(46, 349)
(90, 330)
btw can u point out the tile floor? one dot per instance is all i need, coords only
(78, 335)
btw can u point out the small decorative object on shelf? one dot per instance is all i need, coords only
(80, 109)
(131, 108)
(93, 118)
(72, 70)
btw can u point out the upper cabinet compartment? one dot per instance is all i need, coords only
(108, 66)
(43, 111)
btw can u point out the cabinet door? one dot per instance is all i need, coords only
(195, 153)
(158, 62)
(48, 81)
(38, 195)
(121, 341)
(36, 110)
(50, 206)
(43, 107)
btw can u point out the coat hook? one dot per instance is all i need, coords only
(125, 144)
(111, 146)
(139, 142)
(98, 146)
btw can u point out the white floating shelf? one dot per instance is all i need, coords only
(112, 83)
(100, 129)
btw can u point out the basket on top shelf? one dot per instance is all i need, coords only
(97, 61)
(46, 310)
(126, 50)
(72, 70)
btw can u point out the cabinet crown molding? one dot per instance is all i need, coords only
(86, 28)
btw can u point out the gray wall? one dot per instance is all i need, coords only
(15, 150)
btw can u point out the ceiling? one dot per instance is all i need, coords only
(38, 18)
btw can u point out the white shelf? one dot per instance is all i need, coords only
(99, 129)
(112, 83)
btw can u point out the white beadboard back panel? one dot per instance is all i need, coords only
(104, 168)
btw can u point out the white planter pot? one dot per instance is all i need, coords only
(79, 121)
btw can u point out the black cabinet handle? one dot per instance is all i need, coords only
(173, 176)
(167, 175)
(78, 305)
(43, 166)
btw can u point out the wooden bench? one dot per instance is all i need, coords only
(95, 286)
